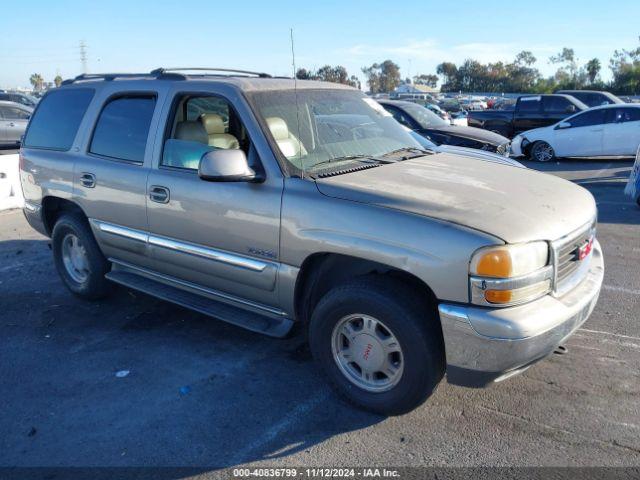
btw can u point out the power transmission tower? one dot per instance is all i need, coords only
(83, 56)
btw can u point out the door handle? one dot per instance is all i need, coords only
(159, 194)
(88, 180)
(596, 129)
(11, 124)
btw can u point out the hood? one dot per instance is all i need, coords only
(472, 133)
(514, 204)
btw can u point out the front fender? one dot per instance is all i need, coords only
(434, 251)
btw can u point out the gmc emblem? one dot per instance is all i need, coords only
(585, 249)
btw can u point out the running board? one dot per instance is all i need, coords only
(273, 327)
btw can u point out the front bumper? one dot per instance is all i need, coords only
(487, 345)
(518, 145)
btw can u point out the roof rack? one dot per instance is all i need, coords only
(204, 69)
(161, 74)
(112, 76)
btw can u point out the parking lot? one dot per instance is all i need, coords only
(191, 391)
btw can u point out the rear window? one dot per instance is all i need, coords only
(123, 127)
(56, 120)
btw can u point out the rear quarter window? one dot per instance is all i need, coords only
(56, 120)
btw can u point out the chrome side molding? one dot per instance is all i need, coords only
(183, 247)
(207, 252)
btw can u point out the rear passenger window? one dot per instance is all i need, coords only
(621, 115)
(56, 120)
(123, 128)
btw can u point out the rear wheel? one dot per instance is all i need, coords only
(542, 152)
(379, 346)
(78, 259)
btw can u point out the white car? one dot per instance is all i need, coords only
(607, 131)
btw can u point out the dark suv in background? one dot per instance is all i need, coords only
(592, 98)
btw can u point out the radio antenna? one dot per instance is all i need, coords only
(295, 93)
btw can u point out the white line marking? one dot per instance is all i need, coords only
(272, 432)
(600, 172)
(621, 289)
(17, 266)
(600, 332)
(11, 267)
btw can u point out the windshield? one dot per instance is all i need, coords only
(425, 117)
(329, 126)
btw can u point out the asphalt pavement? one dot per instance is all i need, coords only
(134, 381)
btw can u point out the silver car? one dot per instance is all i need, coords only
(14, 118)
(269, 203)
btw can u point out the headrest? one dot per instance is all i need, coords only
(212, 123)
(278, 128)
(192, 132)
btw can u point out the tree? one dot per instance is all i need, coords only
(382, 77)
(568, 75)
(625, 66)
(593, 69)
(57, 81)
(337, 74)
(449, 73)
(37, 81)
(428, 80)
(303, 74)
(525, 58)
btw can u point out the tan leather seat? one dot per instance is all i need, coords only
(289, 145)
(191, 132)
(214, 125)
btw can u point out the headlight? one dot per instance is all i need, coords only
(510, 274)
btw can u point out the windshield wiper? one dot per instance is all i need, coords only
(418, 152)
(360, 157)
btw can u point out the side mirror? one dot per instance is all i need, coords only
(226, 166)
(562, 125)
(571, 109)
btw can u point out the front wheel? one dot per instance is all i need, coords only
(379, 346)
(542, 152)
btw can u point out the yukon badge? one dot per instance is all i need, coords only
(262, 253)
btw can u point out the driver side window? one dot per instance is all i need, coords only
(200, 124)
(588, 119)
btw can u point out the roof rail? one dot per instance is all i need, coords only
(159, 73)
(112, 76)
(204, 69)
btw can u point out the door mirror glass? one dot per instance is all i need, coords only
(226, 166)
(571, 109)
(562, 125)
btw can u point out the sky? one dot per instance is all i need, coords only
(43, 36)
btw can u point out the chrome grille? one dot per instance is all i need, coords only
(569, 269)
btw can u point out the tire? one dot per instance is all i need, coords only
(404, 316)
(542, 152)
(87, 280)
